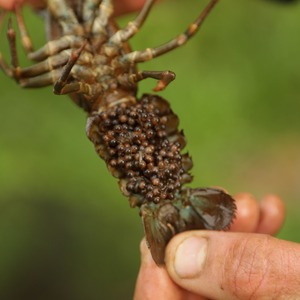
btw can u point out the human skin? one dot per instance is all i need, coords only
(245, 263)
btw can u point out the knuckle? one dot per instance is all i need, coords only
(247, 267)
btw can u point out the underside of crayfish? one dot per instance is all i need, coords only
(89, 58)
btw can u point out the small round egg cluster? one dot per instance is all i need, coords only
(140, 145)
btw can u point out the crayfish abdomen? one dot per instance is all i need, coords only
(141, 144)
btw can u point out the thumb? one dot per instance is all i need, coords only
(229, 265)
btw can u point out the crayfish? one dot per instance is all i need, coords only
(88, 57)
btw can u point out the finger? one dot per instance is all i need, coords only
(272, 215)
(11, 4)
(122, 7)
(245, 266)
(248, 213)
(153, 282)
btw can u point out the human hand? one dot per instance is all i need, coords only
(121, 6)
(234, 265)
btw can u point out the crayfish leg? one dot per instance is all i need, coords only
(56, 46)
(65, 16)
(164, 77)
(40, 81)
(4, 67)
(25, 38)
(11, 36)
(101, 20)
(150, 53)
(89, 13)
(132, 27)
(62, 81)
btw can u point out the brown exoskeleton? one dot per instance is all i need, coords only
(89, 58)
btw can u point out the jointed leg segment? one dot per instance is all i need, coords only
(25, 39)
(90, 8)
(11, 36)
(126, 33)
(65, 16)
(105, 12)
(149, 53)
(48, 71)
(56, 54)
(62, 81)
(55, 47)
(163, 77)
(62, 86)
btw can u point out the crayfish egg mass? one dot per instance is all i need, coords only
(139, 148)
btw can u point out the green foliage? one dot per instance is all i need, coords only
(66, 232)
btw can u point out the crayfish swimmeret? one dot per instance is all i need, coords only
(89, 58)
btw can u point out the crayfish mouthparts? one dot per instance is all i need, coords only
(88, 57)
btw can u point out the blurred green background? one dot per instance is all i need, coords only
(66, 232)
